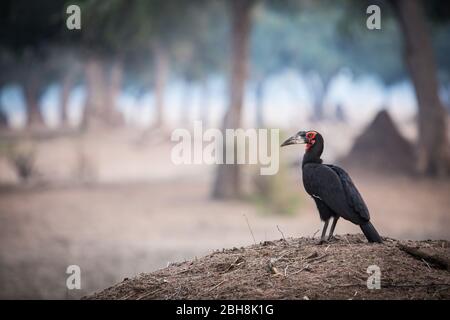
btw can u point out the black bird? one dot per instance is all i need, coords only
(331, 188)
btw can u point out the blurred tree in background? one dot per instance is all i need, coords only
(434, 153)
(228, 183)
(26, 38)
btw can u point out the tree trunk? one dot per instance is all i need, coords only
(32, 86)
(433, 153)
(31, 92)
(186, 103)
(205, 103)
(259, 104)
(161, 67)
(318, 114)
(95, 112)
(115, 118)
(3, 117)
(339, 114)
(227, 184)
(447, 97)
(320, 90)
(66, 88)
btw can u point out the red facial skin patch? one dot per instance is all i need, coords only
(310, 135)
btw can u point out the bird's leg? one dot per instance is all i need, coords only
(324, 232)
(333, 225)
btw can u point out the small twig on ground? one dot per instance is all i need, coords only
(312, 255)
(236, 263)
(315, 233)
(125, 297)
(285, 253)
(395, 285)
(183, 271)
(248, 224)
(318, 258)
(217, 285)
(282, 234)
(428, 265)
(148, 294)
(417, 285)
(300, 270)
(285, 270)
(346, 239)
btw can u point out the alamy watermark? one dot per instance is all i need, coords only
(73, 281)
(374, 279)
(73, 21)
(373, 22)
(234, 146)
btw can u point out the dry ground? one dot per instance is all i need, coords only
(142, 212)
(296, 269)
(117, 231)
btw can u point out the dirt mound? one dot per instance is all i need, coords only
(381, 147)
(300, 269)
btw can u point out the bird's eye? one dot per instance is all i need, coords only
(309, 135)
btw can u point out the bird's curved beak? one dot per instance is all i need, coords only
(297, 139)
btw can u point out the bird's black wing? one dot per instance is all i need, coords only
(324, 185)
(354, 198)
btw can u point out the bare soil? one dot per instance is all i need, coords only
(115, 205)
(297, 269)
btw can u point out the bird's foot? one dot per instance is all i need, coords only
(332, 239)
(322, 241)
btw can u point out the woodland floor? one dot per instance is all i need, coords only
(298, 269)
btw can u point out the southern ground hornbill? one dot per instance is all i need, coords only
(331, 188)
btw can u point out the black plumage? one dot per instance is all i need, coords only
(331, 187)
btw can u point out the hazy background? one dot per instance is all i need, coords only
(86, 175)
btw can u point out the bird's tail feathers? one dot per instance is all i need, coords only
(370, 232)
